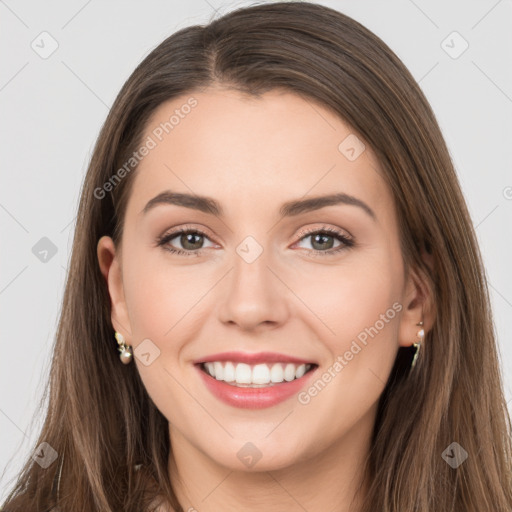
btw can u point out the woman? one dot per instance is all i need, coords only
(276, 300)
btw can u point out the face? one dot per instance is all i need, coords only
(301, 306)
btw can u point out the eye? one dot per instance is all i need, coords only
(322, 240)
(191, 241)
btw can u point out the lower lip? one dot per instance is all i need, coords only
(253, 398)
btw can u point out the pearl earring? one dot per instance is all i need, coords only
(417, 345)
(126, 350)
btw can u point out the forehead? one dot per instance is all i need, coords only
(250, 151)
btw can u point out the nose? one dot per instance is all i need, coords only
(256, 296)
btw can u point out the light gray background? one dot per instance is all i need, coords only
(52, 110)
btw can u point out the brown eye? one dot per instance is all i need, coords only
(191, 241)
(323, 240)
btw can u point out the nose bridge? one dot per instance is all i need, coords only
(255, 295)
(251, 273)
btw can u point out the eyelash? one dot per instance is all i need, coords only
(347, 242)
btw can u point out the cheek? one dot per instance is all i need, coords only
(157, 301)
(159, 295)
(352, 296)
(370, 345)
(362, 313)
(359, 311)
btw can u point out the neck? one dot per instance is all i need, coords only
(327, 481)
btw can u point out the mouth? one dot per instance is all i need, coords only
(254, 381)
(261, 375)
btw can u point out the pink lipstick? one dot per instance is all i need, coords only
(254, 381)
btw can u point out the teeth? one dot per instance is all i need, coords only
(229, 372)
(301, 370)
(210, 369)
(276, 373)
(218, 371)
(289, 372)
(242, 373)
(260, 374)
(257, 375)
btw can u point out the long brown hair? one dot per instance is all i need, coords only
(100, 420)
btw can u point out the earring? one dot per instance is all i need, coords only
(417, 345)
(126, 350)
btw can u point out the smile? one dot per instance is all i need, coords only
(259, 375)
(254, 381)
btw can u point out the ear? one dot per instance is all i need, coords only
(109, 262)
(418, 304)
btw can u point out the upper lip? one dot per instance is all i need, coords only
(252, 358)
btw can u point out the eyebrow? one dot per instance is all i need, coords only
(288, 209)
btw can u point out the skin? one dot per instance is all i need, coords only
(252, 155)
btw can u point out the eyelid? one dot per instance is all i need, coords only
(301, 234)
(177, 230)
(335, 231)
